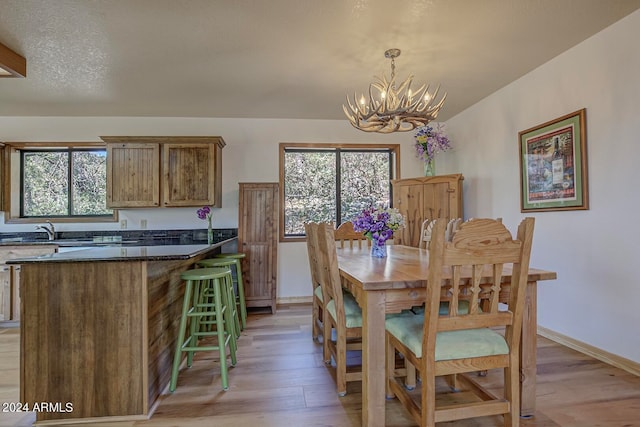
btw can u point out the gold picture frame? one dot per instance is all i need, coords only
(553, 165)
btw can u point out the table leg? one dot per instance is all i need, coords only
(373, 359)
(528, 352)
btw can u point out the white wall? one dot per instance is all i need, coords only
(596, 253)
(251, 155)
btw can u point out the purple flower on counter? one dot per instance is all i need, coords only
(204, 212)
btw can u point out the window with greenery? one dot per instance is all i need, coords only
(332, 182)
(63, 183)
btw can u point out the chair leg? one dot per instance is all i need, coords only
(326, 337)
(241, 300)
(199, 299)
(341, 364)
(512, 394)
(181, 332)
(315, 320)
(391, 367)
(220, 328)
(410, 380)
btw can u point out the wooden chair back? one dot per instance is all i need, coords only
(427, 229)
(483, 247)
(346, 237)
(318, 297)
(425, 233)
(310, 230)
(329, 272)
(452, 227)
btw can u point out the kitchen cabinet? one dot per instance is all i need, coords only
(164, 171)
(258, 240)
(10, 277)
(426, 198)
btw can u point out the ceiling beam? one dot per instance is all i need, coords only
(11, 64)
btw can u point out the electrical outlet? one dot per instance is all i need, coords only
(143, 224)
(123, 223)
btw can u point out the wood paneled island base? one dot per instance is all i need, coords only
(98, 334)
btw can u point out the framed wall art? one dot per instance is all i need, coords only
(553, 165)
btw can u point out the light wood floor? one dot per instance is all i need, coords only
(280, 380)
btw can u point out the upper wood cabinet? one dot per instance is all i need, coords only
(164, 171)
(426, 198)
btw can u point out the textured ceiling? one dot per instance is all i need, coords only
(275, 58)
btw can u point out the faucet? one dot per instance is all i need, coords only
(51, 230)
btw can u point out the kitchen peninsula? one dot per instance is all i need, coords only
(98, 329)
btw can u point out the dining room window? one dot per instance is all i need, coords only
(332, 182)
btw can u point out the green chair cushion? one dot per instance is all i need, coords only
(318, 293)
(450, 345)
(352, 312)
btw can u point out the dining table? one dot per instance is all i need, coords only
(397, 282)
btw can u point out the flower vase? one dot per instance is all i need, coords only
(378, 250)
(430, 168)
(209, 232)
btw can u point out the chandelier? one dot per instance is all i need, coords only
(392, 109)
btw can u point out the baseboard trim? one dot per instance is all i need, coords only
(595, 352)
(294, 300)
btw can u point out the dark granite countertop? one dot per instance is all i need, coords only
(124, 253)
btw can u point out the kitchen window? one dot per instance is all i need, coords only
(60, 182)
(63, 183)
(332, 182)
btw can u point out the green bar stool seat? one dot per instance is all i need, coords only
(205, 307)
(237, 257)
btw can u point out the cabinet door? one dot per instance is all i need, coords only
(10, 276)
(408, 199)
(133, 175)
(5, 292)
(442, 199)
(424, 198)
(258, 239)
(190, 175)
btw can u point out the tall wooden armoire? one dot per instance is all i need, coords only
(428, 197)
(258, 239)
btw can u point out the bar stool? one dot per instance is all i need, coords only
(237, 257)
(228, 283)
(206, 302)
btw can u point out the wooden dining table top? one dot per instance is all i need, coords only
(403, 267)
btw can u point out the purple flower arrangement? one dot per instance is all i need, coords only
(205, 213)
(430, 141)
(378, 224)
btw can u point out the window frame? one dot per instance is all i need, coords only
(393, 149)
(12, 177)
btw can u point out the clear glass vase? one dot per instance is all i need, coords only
(430, 168)
(209, 232)
(378, 250)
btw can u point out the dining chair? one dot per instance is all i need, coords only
(346, 236)
(452, 227)
(310, 230)
(342, 314)
(453, 345)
